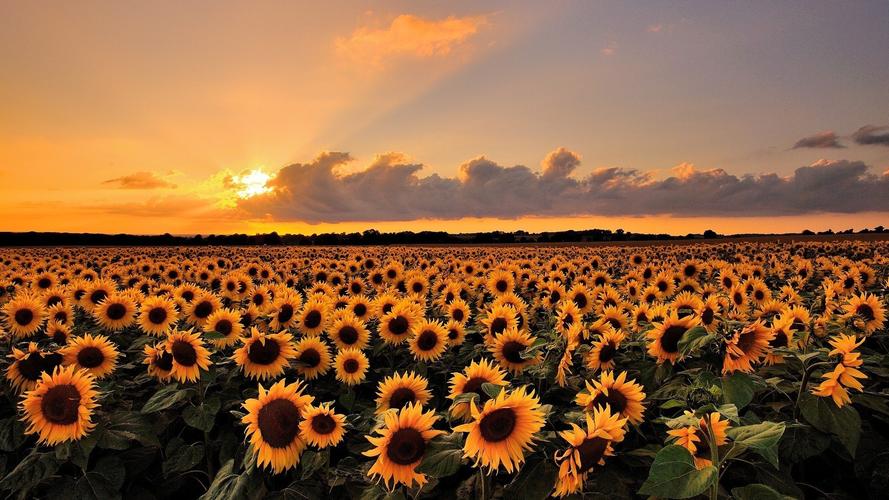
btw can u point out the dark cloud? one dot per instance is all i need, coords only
(821, 140)
(391, 189)
(140, 180)
(870, 135)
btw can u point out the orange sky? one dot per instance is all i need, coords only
(118, 118)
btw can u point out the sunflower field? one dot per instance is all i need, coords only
(748, 370)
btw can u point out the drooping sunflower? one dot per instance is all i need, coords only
(273, 420)
(604, 349)
(783, 331)
(621, 395)
(395, 326)
(226, 322)
(24, 315)
(95, 354)
(746, 347)
(60, 407)
(429, 340)
(508, 348)
(314, 315)
(837, 382)
(401, 445)
(471, 380)
(264, 355)
(28, 366)
(663, 339)
(587, 448)
(351, 366)
(115, 312)
(321, 426)
(157, 315)
(189, 355)
(159, 362)
(866, 312)
(313, 357)
(503, 430)
(348, 331)
(396, 391)
(697, 439)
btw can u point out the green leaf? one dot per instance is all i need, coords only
(347, 400)
(534, 481)
(312, 461)
(11, 434)
(737, 388)
(843, 423)
(133, 425)
(762, 438)
(694, 339)
(181, 458)
(674, 475)
(443, 456)
(221, 482)
(103, 481)
(758, 491)
(165, 398)
(212, 335)
(492, 390)
(801, 441)
(30, 472)
(202, 417)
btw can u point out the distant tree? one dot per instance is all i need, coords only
(808, 232)
(710, 234)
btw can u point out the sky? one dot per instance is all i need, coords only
(220, 117)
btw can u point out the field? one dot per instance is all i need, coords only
(740, 369)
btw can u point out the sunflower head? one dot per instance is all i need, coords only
(273, 425)
(400, 445)
(60, 407)
(263, 356)
(321, 426)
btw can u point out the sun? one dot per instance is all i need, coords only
(251, 183)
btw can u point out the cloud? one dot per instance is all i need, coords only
(826, 139)
(391, 189)
(872, 135)
(609, 49)
(140, 180)
(410, 35)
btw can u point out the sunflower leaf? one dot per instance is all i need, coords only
(694, 339)
(443, 458)
(534, 481)
(737, 388)
(843, 423)
(758, 491)
(203, 416)
(167, 397)
(762, 438)
(491, 390)
(674, 475)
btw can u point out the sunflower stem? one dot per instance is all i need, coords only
(714, 458)
(807, 372)
(210, 472)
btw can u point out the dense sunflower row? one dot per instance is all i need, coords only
(520, 371)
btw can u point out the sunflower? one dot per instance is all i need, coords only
(456, 333)
(321, 426)
(227, 323)
(622, 396)
(395, 326)
(283, 311)
(458, 310)
(429, 340)
(314, 315)
(836, 383)
(159, 361)
(709, 311)
(264, 355)
(697, 440)
(508, 349)
(567, 315)
(471, 380)
(157, 315)
(189, 355)
(95, 354)
(28, 366)
(500, 282)
(360, 306)
(401, 444)
(663, 339)
(746, 347)
(24, 315)
(62, 313)
(96, 292)
(313, 357)
(866, 312)
(273, 420)
(348, 331)
(351, 366)
(61, 406)
(587, 448)
(58, 332)
(503, 430)
(602, 353)
(202, 307)
(783, 331)
(115, 312)
(398, 390)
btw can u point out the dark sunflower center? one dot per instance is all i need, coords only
(164, 361)
(285, 313)
(44, 283)
(780, 340)
(580, 300)
(116, 311)
(31, 367)
(60, 404)
(312, 319)
(615, 323)
(747, 341)
(360, 310)
(323, 424)
(55, 299)
(498, 326)
(224, 327)
(203, 309)
(798, 326)
(398, 325)
(453, 334)
(310, 357)
(512, 351)
(865, 311)
(401, 397)
(350, 365)
(24, 317)
(59, 337)
(263, 353)
(707, 316)
(502, 285)
(615, 399)
(406, 446)
(498, 425)
(427, 340)
(759, 294)
(591, 451)
(51, 361)
(348, 335)
(475, 385)
(98, 296)
(458, 314)
(90, 357)
(670, 338)
(607, 353)
(278, 422)
(61, 317)
(184, 353)
(417, 287)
